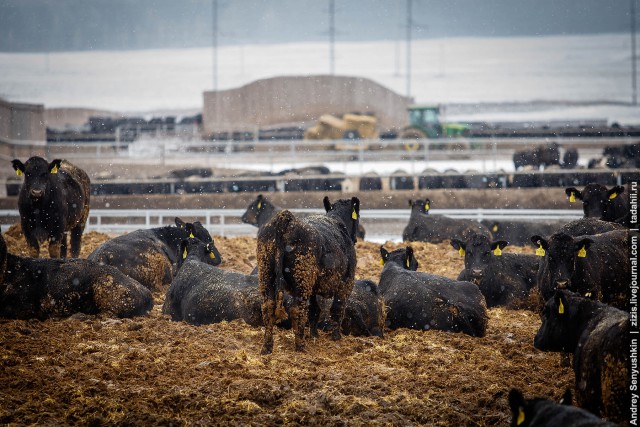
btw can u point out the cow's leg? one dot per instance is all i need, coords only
(63, 246)
(54, 246)
(34, 247)
(268, 317)
(314, 315)
(337, 312)
(299, 311)
(76, 240)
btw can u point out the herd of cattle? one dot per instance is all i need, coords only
(305, 277)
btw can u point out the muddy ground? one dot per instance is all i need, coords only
(93, 370)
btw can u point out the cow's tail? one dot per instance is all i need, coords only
(281, 224)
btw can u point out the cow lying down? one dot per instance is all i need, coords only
(538, 412)
(43, 288)
(149, 255)
(418, 300)
(202, 293)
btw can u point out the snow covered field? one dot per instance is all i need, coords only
(582, 77)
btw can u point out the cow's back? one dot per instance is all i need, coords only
(78, 188)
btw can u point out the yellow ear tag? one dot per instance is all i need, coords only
(259, 205)
(212, 255)
(540, 251)
(497, 251)
(381, 261)
(572, 197)
(588, 295)
(520, 419)
(18, 172)
(613, 196)
(461, 251)
(354, 215)
(582, 253)
(494, 228)
(561, 308)
(184, 253)
(408, 262)
(54, 169)
(191, 235)
(426, 206)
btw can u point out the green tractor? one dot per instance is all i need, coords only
(424, 122)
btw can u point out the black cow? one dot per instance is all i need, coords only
(422, 301)
(260, 211)
(148, 255)
(518, 233)
(503, 278)
(202, 293)
(542, 155)
(53, 200)
(307, 257)
(43, 288)
(438, 228)
(365, 312)
(600, 202)
(539, 412)
(596, 266)
(570, 159)
(597, 335)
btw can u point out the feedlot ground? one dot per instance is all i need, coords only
(152, 371)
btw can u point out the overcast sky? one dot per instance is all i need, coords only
(58, 25)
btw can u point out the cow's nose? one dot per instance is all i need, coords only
(476, 272)
(562, 284)
(36, 193)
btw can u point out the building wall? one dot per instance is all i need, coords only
(22, 122)
(281, 100)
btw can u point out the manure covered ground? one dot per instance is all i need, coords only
(152, 371)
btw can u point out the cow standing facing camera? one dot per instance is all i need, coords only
(53, 200)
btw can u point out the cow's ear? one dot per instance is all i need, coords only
(615, 192)
(355, 208)
(54, 166)
(410, 203)
(517, 404)
(427, 205)
(498, 246)
(581, 247)
(459, 245)
(183, 249)
(495, 227)
(327, 203)
(210, 250)
(573, 194)
(567, 398)
(561, 302)
(18, 166)
(259, 201)
(190, 229)
(539, 241)
(384, 255)
(408, 253)
(180, 223)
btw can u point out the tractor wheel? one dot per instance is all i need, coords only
(412, 134)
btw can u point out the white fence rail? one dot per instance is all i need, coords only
(226, 222)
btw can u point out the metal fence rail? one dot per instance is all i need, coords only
(226, 222)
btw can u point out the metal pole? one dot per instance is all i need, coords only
(634, 86)
(409, 4)
(214, 12)
(332, 36)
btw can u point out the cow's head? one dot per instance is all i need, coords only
(348, 211)
(523, 411)
(478, 252)
(560, 326)
(254, 210)
(197, 250)
(402, 256)
(562, 253)
(39, 175)
(420, 206)
(596, 199)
